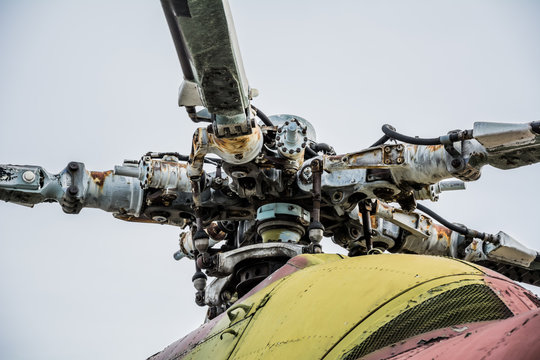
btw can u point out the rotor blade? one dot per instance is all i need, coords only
(178, 40)
(205, 39)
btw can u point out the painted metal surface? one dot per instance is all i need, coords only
(320, 306)
(513, 338)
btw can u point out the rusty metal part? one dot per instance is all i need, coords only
(98, 177)
(429, 164)
(424, 165)
(215, 231)
(292, 139)
(421, 235)
(163, 174)
(234, 150)
(226, 262)
(384, 156)
(503, 249)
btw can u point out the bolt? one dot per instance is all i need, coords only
(387, 149)
(291, 151)
(284, 149)
(387, 161)
(226, 296)
(29, 176)
(456, 163)
(399, 147)
(239, 174)
(73, 166)
(400, 160)
(238, 156)
(337, 196)
(160, 219)
(73, 190)
(298, 150)
(278, 138)
(307, 173)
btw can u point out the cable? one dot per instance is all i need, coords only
(381, 141)
(265, 119)
(391, 132)
(453, 136)
(324, 147)
(462, 229)
(310, 153)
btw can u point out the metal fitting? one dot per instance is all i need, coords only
(292, 139)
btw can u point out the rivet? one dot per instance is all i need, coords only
(29, 176)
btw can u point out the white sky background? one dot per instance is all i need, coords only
(97, 82)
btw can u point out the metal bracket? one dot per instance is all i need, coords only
(72, 201)
(226, 262)
(386, 156)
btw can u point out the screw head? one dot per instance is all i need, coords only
(73, 166)
(160, 219)
(456, 163)
(29, 176)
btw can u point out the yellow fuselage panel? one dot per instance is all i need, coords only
(327, 307)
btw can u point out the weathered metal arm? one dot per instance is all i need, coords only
(74, 188)
(404, 173)
(400, 231)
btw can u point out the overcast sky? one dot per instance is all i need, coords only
(97, 82)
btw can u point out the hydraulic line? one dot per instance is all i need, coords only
(310, 153)
(324, 147)
(462, 229)
(313, 150)
(391, 132)
(265, 119)
(381, 141)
